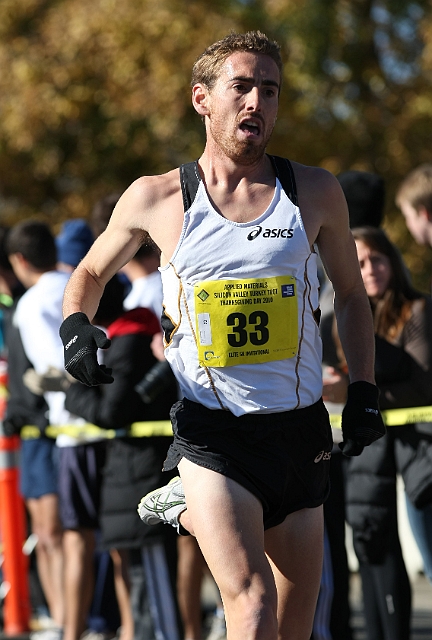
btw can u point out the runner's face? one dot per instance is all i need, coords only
(243, 106)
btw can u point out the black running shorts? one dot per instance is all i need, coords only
(282, 458)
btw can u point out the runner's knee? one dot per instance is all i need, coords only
(254, 608)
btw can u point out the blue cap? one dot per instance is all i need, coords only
(73, 242)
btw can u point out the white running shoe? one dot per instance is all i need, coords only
(54, 633)
(91, 634)
(164, 505)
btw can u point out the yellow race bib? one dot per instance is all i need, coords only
(246, 321)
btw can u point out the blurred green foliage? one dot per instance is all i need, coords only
(94, 94)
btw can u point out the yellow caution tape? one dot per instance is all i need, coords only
(79, 430)
(395, 417)
(30, 432)
(135, 430)
(391, 417)
(336, 420)
(148, 429)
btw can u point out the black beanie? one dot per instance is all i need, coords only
(365, 195)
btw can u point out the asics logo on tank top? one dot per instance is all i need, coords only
(270, 233)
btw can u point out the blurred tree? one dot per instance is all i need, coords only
(359, 94)
(92, 95)
(96, 94)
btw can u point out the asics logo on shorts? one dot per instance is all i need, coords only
(270, 233)
(323, 455)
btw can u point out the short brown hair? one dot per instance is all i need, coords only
(416, 188)
(207, 66)
(34, 240)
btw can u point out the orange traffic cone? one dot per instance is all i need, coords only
(13, 531)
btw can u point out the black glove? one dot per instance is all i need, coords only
(81, 340)
(362, 422)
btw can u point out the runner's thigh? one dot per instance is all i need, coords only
(228, 523)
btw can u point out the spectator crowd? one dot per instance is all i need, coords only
(103, 573)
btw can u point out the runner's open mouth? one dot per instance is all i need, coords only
(250, 126)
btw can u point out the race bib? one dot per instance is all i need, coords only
(246, 321)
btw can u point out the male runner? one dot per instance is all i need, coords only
(238, 233)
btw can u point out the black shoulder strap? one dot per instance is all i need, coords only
(189, 180)
(285, 173)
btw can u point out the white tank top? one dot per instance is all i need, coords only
(241, 304)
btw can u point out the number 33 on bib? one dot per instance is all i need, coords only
(246, 321)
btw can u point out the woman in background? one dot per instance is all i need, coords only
(403, 370)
